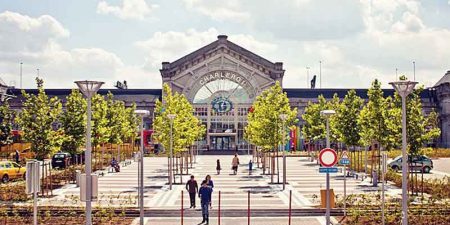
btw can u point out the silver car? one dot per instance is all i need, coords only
(418, 163)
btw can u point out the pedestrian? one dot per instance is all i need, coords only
(17, 156)
(192, 188)
(210, 184)
(218, 168)
(205, 198)
(235, 164)
(250, 167)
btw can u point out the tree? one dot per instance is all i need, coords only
(264, 123)
(186, 128)
(100, 129)
(6, 121)
(265, 128)
(73, 122)
(315, 127)
(346, 119)
(37, 118)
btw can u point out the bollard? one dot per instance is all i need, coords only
(182, 210)
(77, 177)
(248, 209)
(218, 213)
(290, 206)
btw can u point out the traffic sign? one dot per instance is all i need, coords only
(344, 154)
(328, 169)
(344, 161)
(327, 157)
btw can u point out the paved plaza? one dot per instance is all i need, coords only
(303, 179)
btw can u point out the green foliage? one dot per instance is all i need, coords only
(116, 119)
(132, 121)
(346, 119)
(100, 129)
(73, 122)
(371, 119)
(38, 115)
(264, 123)
(6, 120)
(315, 127)
(186, 127)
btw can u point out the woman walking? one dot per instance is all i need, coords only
(210, 184)
(218, 168)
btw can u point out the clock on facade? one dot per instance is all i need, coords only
(221, 105)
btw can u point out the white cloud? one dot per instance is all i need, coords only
(219, 10)
(34, 41)
(171, 45)
(130, 9)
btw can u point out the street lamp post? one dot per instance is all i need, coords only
(283, 118)
(404, 88)
(327, 114)
(141, 114)
(171, 118)
(89, 89)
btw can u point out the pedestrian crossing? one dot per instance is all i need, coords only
(304, 180)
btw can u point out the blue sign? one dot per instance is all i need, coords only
(222, 105)
(344, 161)
(328, 170)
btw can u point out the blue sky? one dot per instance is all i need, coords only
(111, 40)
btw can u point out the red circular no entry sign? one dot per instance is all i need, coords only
(328, 157)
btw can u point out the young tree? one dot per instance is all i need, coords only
(6, 121)
(265, 127)
(73, 122)
(100, 129)
(346, 121)
(37, 118)
(315, 127)
(372, 122)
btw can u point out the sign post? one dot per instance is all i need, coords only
(327, 159)
(33, 184)
(383, 172)
(345, 161)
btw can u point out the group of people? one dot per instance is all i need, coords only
(204, 193)
(206, 188)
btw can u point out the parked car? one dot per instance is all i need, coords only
(61, 160)
(419, 163)
(11, 170)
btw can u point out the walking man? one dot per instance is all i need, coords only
(235, 164)
(192, 188)
(205, 195)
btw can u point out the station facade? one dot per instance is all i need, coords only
(222, 80)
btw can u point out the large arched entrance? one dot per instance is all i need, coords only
(222, 80)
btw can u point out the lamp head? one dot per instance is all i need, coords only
(327, 113)
(89, 88)
(403, 87)
(283, 116)
(171, 116)
(141, 112)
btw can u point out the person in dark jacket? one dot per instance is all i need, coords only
(205, 196)
(192, 188)
(210, 184)
(218, 168)
(17, 156)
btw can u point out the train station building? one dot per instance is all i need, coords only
(222, 79)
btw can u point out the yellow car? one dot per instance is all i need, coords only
(11, 170)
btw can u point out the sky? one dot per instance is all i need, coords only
(111, 40)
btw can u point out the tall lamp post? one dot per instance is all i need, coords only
(327, 114)
(141, 114)
(283, 118)
(171, 118)
(89, 89)
(404, 88)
